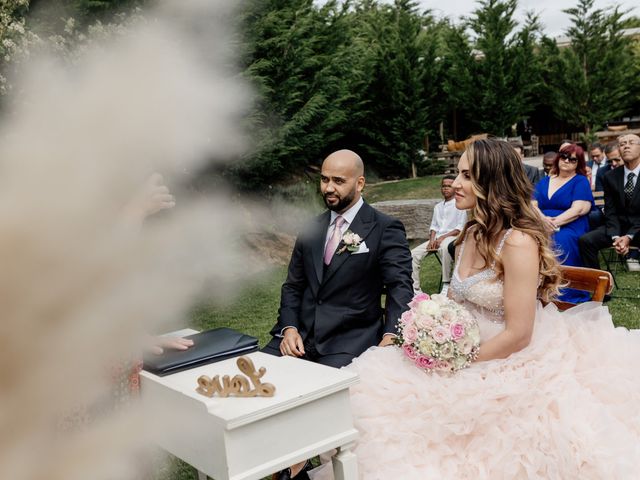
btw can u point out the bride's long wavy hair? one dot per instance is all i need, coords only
(503, 200)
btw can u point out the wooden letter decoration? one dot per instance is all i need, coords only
(238, 386)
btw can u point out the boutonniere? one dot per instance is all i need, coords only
(350, 242)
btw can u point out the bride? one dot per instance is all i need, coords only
(551, 396)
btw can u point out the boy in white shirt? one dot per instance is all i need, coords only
(447, 222)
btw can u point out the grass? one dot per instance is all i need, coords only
(411, 189)
(254, 310)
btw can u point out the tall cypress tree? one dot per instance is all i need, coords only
(296, 59)
(505, 71)
(591, 80)
(401, 84)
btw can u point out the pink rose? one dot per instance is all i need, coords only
(440, 334)
(407, 318)
(410, 333)
(457, 331)
(409, 351)
(421, 297)
(424, 321)
(425, 362)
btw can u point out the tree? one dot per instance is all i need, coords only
(401, 88)
(592, 79)
(294, 56)
(505, 71)
(456, 64)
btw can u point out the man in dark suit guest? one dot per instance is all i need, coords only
(533, 174)
(598, 162)
(621, 207)
(613, 159)
(330, 306)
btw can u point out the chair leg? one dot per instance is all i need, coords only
(606, 257)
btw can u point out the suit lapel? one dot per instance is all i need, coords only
(362, 225)
(317, 247)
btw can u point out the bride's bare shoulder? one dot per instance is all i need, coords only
(521, 240)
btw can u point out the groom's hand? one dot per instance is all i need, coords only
(387, 340)
(291, 343)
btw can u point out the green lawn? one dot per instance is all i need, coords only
(411, 189)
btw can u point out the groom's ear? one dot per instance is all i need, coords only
(360, 183)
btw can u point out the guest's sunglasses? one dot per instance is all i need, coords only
(568, 158)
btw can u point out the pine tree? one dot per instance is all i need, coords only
(296, 59)
(505, 72)
(591, 80)
(401, 88)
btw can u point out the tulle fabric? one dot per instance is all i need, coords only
(565, 407)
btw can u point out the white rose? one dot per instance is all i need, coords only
(474, 334)
(429, 307)
(351, 238)
(440, 299)
(459, 363)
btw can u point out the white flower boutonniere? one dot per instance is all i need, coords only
(350, 242)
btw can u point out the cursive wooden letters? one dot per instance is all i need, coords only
(238, 385)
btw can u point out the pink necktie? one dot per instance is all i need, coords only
(333, 242)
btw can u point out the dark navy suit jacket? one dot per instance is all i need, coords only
(622, 217)
(340, 305)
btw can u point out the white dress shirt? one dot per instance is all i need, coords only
(348, 216)
(595, 166)
(626, 175)
(446, 217)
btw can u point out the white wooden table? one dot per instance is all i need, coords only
(249, 438)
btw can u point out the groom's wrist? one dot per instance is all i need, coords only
(285, 328)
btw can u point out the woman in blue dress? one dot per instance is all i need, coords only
(565, 199)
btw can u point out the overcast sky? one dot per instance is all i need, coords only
(554, 21)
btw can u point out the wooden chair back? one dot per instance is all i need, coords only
(598, 198)
(597, 282)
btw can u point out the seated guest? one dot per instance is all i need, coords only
(613, 153)
(533, 174)
(588, 173)
(598, 162)
(596, 216)
(547, 162)
(621, 207)
(616, 161)
(565, 199)
(446, 224)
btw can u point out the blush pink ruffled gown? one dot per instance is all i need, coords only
(565, 407)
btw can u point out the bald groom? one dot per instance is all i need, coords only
(330, 307)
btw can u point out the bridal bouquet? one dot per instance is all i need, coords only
(438, 334)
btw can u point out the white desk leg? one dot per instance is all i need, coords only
(345, 463)
(202, 476)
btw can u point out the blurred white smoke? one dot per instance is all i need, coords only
(81, 280)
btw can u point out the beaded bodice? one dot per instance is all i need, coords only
(482, 291)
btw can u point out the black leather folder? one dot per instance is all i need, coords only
(208, 347)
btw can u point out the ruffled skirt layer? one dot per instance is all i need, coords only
(565, 407)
